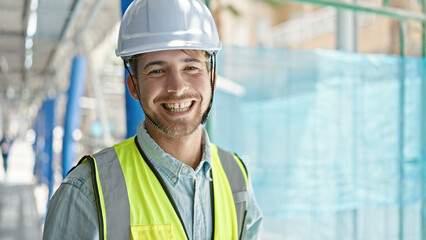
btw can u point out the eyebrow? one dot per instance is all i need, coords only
(189, 60)
(162, 63)
(154, 63)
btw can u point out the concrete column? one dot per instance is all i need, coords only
(72, 115)
(49, 110)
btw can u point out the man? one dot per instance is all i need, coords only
(167, 182)
(5, 145)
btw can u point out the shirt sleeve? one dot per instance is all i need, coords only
(254, 215)
(72, 212)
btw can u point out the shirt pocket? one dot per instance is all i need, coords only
(154, 232)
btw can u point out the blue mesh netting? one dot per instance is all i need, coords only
(333, 150)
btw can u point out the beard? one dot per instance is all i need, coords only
(176, 128)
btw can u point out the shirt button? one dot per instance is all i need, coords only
(174, 179)
(197, 199)
(185, 170)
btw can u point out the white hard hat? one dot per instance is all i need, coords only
(155, 25)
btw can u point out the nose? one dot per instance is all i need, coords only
(176, 83)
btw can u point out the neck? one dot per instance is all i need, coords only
(186, 149)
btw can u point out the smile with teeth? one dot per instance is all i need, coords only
(177, 107)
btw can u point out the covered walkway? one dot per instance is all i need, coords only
(22, 202)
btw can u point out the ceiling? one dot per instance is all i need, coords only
(35, 62)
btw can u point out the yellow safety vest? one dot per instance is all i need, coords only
(134, 203)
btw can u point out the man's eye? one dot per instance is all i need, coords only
(156, 71)
(191, 68)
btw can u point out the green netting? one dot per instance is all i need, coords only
(333, 141)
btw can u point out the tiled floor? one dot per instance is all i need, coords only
(19, 216)
(20, 199)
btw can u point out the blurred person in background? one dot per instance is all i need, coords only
(5, 145)
(168, 181)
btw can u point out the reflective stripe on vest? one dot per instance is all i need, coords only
(238, 181)
(122, 178)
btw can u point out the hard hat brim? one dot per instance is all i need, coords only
(166, 46)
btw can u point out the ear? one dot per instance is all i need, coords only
(131, 87)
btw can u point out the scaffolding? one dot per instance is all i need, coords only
(402, 16)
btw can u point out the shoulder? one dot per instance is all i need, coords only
(227, 156)
(80, 179)
(72, 209)
(82, 172)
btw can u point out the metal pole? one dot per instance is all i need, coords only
(355, 153)
(346, 39)
(134, 113)
(423, 149)
(346, 29)
(423, 131)
(401, 132)
(72, 115)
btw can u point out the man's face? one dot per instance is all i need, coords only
(175, 89)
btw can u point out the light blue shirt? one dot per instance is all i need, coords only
(72, 212)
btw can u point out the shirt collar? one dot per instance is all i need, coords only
(169, 167)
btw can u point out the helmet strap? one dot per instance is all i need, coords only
(212, 83)
(136, 86)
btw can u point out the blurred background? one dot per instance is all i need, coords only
(325, 101)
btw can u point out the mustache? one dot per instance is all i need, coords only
(172, 97)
